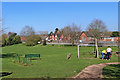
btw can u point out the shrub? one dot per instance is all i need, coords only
(44, 42)
(17, 39)
(10, 39)
(3, 42)
(32, 40)
(7, 41)
(4, 36)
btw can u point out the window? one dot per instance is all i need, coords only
(83, 38)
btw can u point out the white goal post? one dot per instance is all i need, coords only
(78, 48)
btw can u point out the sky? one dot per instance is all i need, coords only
(46, 16)
(60, 0)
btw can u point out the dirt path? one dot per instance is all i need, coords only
(93, 71)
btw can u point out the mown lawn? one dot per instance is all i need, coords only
(53, 61)
(112, 71)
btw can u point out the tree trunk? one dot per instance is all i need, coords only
(78, 51)
(72, 42)
(97, 53)
(94, 47)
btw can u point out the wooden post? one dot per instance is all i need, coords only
(78, 50)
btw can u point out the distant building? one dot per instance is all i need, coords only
(87, 36)
(59, 36)
(23, 38)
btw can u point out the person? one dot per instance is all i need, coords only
(109, 50)
(103, 53)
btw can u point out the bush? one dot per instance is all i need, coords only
(44, 42)
(4, 36)
(17, 39)
(30, 43)
(11, 39)
(7, 41)
(32, 40)
(3, 42)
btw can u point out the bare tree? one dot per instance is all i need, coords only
(75, 33)
(27, 31)
(97, 28)
(0, 26)
(2, 29)
(66, 30)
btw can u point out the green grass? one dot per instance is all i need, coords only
(112, 71)
(53, 61)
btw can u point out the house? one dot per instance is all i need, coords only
(56, 36)
(110, 39)
(69, 38)
(107, 37)
(86, 36)
(23, 38)
(61, 37)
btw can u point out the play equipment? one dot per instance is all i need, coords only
(24, 59)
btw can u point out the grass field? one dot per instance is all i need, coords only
(112, 71)
(53, 61)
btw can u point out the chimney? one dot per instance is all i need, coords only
(89, 29)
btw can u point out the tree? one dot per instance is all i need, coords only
(75, 33)
(11, 38)
(66, 31)
(0, 25)
(2, 28)
(16, 39)
(97, 27)
(7, 41)
(0, 41)
(56, 30)
(115, 34)
(4, 36)
(27, 31)
(50, 33)
(0, 32)
(32, 40)
(44, 42)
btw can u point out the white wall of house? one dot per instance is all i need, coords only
(109, 37)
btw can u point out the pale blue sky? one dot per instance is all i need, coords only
(60, 0)
(46, 16)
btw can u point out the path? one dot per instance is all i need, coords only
(93, 71)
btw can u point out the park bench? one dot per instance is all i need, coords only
(17, 57)
(24, 59)
(32, 55)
